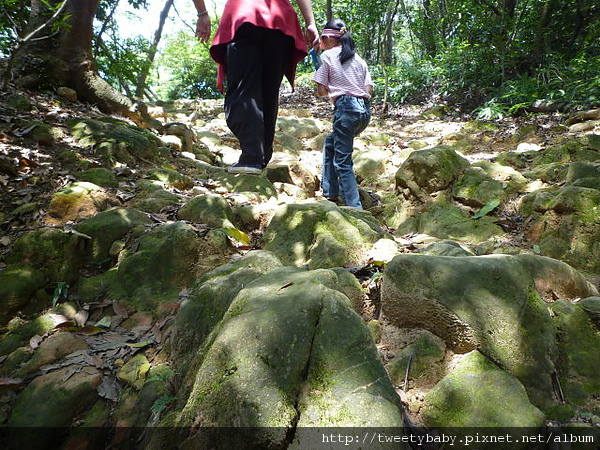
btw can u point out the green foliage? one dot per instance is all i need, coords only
(236, 234)
(12, 23)
(487, 208)
(492, 109)
(61, 291)
(119, 61)
(409, 80)
(498, 57)
(187, 69)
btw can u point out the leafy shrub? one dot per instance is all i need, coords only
(187, 69)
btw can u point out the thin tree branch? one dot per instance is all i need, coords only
(45, 24)
(30, 37)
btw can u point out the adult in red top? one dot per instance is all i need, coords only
(256, 44)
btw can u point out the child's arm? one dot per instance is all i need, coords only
(322, 90)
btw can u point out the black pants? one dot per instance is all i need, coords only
(255, 64)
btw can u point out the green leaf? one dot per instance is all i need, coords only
(87, 330)
(60, 290)
(140, 344)
(161, 403)
(236, 234)
(537, 250)
(488, 208)
(104, 322)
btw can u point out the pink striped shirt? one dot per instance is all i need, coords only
(351, 78)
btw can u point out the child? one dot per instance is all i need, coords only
(344, 77)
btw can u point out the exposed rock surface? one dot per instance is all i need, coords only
(132, 298)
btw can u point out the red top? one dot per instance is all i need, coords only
(272, 14)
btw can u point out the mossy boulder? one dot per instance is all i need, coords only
(447, 248)
(165, 260)
(567, 226)
(39, 132)
(492, 303)
(477, 393)
(578, 361)
(152, 197)
(21, 290)
(548, 173)
(52, 349)
(284, 142)
(77, 201)
(292, 171)
(484, 182)
(277, 336)
(446, 221)
(430, 170)
(138, 408)
(58, 254)
(172, 178)
(580, 171)
(591, 305)
(109, 226)
(116, 140)
(258, 187)
(419, 357)
(17, 101)
(156, 200)
(19, 332)
(320, 235)
(538, 201)
(375, 138)
(211, 296)
(51, 403)
(299, 127)
(99, 176)
(134, 371)
(370, 164)
(572, 149)
(584, 201)
(210, 209)
(213, 293)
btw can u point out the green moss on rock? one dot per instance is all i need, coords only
(421, 355)
(77, 201)
(210, 209)
(579, 359)
(430, 170)
(116, 139)
(58, 254)
(21, 291)
(172, 178)
(479, 394)
(109, 226)
(450, 222)
(320, 234)
(100, 176)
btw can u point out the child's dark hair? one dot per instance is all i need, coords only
(348, 47)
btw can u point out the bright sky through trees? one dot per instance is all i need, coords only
(142, 22)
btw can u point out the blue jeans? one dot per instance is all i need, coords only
(350, 116)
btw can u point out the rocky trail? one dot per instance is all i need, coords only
(144, 286)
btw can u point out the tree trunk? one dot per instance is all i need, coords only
(428, 31)
(388, 27)
(539, 45)
(141, 82)
(65, 59)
